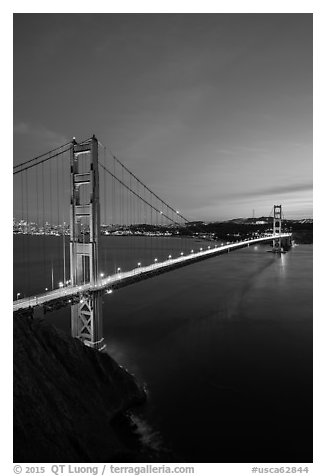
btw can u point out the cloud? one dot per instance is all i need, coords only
(276, 190)
(21, 128)
(41, 134)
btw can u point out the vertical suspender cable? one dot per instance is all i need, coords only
(145, 214)
(43, 218)
(105, 214)
(36, 186)
(83, 222)
(132, 237)
(58, 221)
(52, 250)
(114, 210)
(122, 201)
(23, 235)
(37, 211)
(63, 220)
(113, 194)
(152, 227)
(28, 232)
(161, 229)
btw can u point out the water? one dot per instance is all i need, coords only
(224, 347)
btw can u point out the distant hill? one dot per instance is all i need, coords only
(246, 221)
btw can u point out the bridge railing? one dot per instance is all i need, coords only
(104, 283)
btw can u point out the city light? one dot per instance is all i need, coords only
(102, 275)
(61, 284)
(46, 289)
(109, 291)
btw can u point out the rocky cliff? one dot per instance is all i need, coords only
(66, 397)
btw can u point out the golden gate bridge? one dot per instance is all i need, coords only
(84, 188)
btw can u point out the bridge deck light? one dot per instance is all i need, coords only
(109, 291)
(170, 256)
(138, 264)
(155, 259)
(181, 253)
(61, 284)
(192, 251)
(102, 275)
(201, 249)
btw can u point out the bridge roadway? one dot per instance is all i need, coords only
(124, 278)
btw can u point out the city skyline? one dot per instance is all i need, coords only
(214, 111)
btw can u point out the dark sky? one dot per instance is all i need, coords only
(212, 111)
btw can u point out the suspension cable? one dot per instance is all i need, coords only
(38, 163)
(142, 183)
(42, 155)
(49, 152)
(132, 191)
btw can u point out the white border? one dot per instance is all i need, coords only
(318, 8)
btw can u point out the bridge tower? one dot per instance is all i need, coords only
(277, 227)
(86, 316)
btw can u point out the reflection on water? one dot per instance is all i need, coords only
(224, 347)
